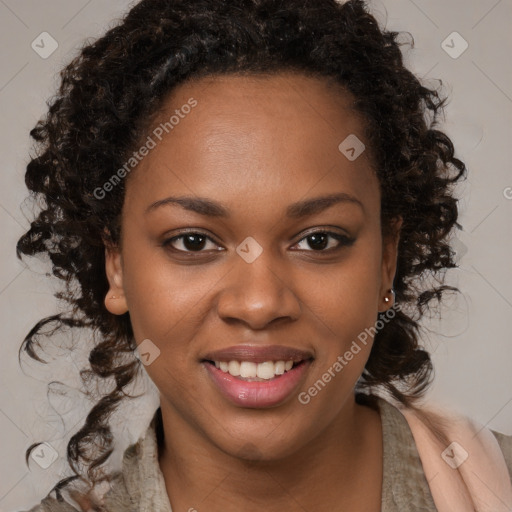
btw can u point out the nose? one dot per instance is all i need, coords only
(258, 294)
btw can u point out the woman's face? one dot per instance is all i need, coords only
(275, 254)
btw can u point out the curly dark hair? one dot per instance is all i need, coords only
(99, 115)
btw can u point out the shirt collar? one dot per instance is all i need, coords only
(142, 475)
(404, 486)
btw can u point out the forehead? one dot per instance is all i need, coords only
(278, 134)
(323, 108)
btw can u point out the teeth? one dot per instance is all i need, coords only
(266, 370)
(280, 367)
(234, 368)
(249, 370)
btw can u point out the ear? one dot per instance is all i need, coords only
(115, 300)
(389, 261)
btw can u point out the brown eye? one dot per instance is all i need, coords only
(189, 242)
(319, 241)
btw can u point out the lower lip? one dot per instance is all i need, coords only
(258, 394)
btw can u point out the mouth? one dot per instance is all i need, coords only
(255, 376)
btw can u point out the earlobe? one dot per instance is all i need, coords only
(389, 263)
(116, 305)
(115, 300)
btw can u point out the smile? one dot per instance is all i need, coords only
(257, 392)
(249, 371)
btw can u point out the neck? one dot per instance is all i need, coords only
(339, 469)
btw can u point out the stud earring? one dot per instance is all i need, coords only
(386, 298)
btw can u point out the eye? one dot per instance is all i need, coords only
(190, 242)
(318, 241)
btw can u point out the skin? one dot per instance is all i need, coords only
(256, 145)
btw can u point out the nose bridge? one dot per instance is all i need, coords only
(257, 290)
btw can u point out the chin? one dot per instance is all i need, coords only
(258, 448)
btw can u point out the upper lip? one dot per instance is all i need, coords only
(258, 354)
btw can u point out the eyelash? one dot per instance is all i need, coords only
(343, 241)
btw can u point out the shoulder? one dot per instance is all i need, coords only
(505, 443)
(404, 485)
(121, 494)
(49, 504)
(73, 499)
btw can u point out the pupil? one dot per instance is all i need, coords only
(318, 241)
(188, 241)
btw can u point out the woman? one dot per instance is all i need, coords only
(249, 196)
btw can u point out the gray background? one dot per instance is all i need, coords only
(470, 343)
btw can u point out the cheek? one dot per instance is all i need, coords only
(345, 310)
(162, 299)
(345, 338)
(347, 295)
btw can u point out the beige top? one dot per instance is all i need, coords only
(140, 487)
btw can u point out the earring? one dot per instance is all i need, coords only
(113, 297)
(387, 299)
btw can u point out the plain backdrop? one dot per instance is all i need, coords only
(470, 343)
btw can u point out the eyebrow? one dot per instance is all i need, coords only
(297, 210)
